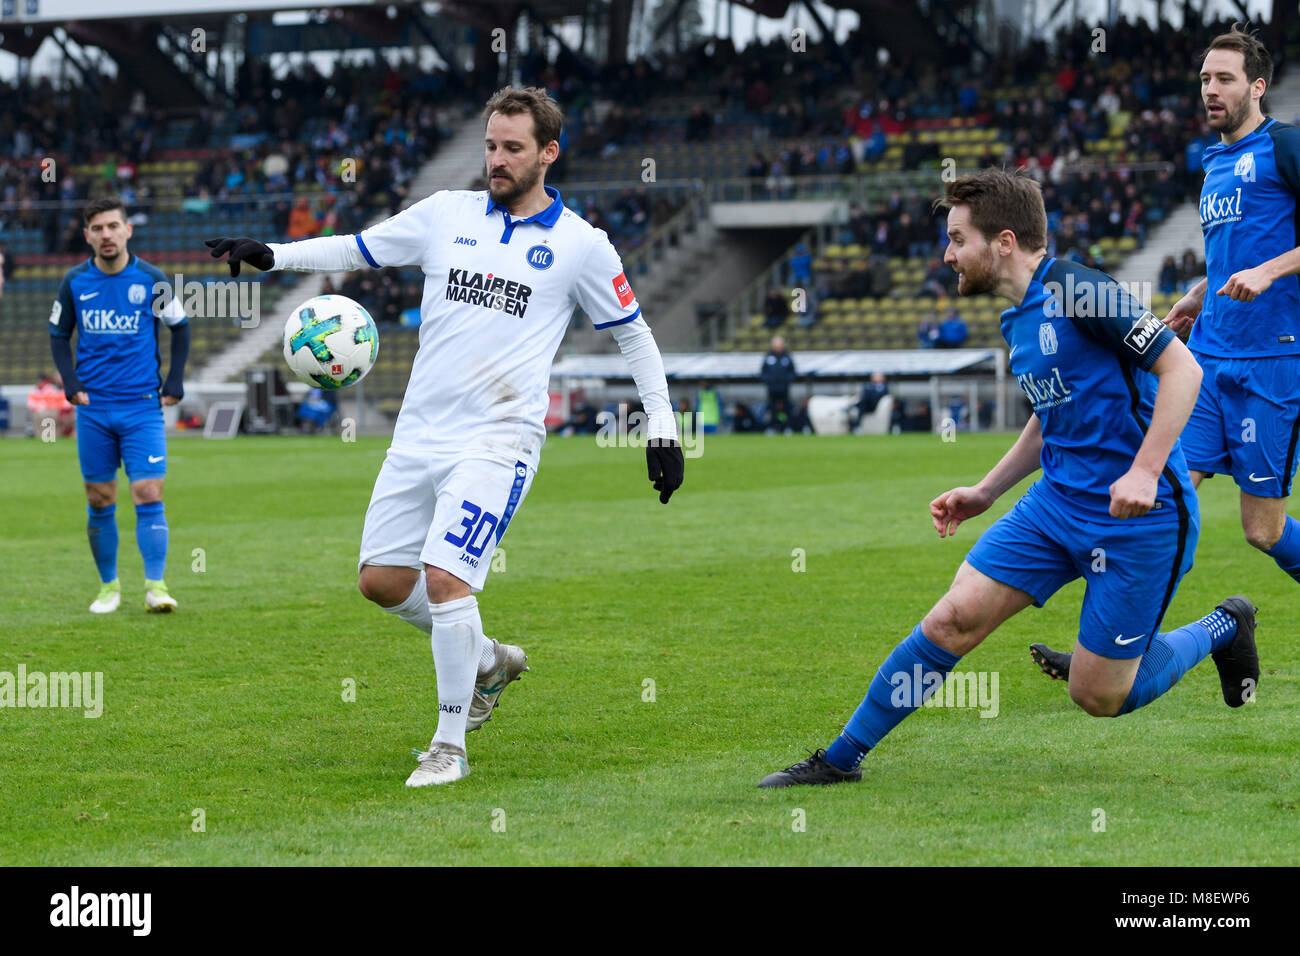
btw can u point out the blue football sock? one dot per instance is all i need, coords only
(101, 528)
(1287, 550)
(912, 672)
(1171, 655)
(151, 536)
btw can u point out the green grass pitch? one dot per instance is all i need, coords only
(234, 706)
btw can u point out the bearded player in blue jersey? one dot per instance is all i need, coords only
(1246, 336)
(1111, 388)
(114, 303)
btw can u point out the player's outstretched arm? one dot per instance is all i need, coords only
(664, 459)
(1182, 316)
(1180, 384)
(399, 240)
(321, 254)
(953, 507)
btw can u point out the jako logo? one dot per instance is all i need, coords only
(449, 708)
(103, 909)
(540, 257)
(465, 241)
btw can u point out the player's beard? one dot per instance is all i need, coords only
(510, 192)
(1231, 120)
(978, 278)
(113, 260)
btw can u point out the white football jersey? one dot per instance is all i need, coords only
(498, 295)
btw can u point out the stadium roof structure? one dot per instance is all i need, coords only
(721, 366)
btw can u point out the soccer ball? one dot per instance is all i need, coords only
(330, 341)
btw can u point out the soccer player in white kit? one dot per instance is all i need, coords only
(504, 269)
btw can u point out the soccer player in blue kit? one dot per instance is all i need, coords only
(1111, 388)
(113, 302)
(1247, 335)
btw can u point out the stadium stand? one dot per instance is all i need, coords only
(1115, 141)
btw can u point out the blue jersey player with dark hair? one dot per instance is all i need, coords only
(114, 303)
(1111, 388)
(1247, 335)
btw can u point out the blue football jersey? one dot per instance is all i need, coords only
(117, 328)
(1082, 349)
(1249, 216)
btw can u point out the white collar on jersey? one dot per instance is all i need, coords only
(547, 217)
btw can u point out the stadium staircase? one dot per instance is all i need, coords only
(248, 348)
(1180, 230)
(456, 165)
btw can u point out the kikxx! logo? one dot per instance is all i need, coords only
(1045, 392)
(109, 321)
(1216, 208)
(489, 291)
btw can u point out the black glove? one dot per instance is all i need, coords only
(664, 456)
(242, 250)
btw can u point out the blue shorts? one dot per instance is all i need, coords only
(1132, 568)
(1246, 421)
(130, 434)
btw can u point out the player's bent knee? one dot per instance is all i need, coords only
(444, 586)
(1261, 538)
(385, 586)
(953, 627)
(1095, 705)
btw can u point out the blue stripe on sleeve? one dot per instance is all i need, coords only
(623, 321)
(366, 252)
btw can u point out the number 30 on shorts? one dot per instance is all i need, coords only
(475, 538)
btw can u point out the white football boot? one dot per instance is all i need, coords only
(441, 763)
(110, 596)
(156, 598)
(510, 663)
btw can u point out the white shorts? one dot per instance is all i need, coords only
(447, 512)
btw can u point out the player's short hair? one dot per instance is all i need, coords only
(513, 100)
(103, 204)
(1000, 200)
(1255, 56)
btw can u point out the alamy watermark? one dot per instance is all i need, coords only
(632, 431)
(1103, 300)
(81, 690)
(918, 688)
(214, 299)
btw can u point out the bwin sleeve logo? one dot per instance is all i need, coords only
(1144, 332)
(1245, 168)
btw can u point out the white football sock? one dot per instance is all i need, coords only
(457, 636)
(487, 655)
(415, 609)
